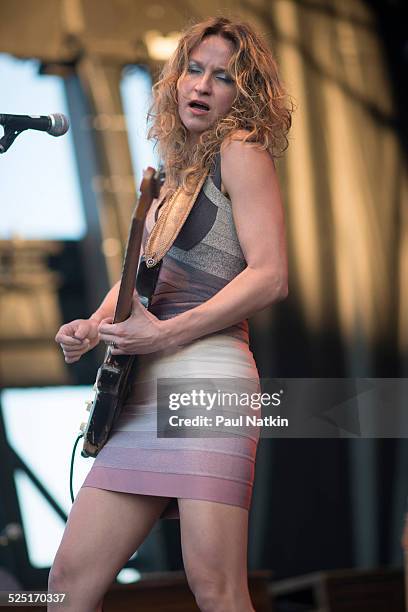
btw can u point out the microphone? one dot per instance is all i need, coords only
(56, 125)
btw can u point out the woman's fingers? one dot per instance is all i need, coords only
(105, 326)
(76, 338)
(105, 329)
(74, 354)
(106, 320)
(137, 335)
(71, 355)
(113, 332)
(62, 338)
(107, 334)
(86, 330)
(75, 348)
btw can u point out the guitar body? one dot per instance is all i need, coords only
(113, 375)
(110, 392)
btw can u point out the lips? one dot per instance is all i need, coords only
(199, 105)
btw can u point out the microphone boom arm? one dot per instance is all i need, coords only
(8, 138)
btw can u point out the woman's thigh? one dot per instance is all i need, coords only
(214, 539)
(104, 529)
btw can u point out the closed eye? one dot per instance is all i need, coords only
(221, 77)
(225, 78)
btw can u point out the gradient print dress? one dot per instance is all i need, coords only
(204, 258)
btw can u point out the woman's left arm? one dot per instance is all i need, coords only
(249, 176)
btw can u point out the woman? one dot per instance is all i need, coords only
(219, 107)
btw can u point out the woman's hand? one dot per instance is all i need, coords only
(77, 337)
(141, 333)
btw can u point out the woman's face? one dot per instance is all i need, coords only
(206, 90)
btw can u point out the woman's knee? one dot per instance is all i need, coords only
(212, 592)
(62, 573)
(211, 596)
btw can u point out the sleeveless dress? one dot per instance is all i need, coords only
(204, 258)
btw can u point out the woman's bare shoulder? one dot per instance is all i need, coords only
(236, 137)
(244, 161)
(239, 148)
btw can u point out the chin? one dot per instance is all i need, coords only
(195, 126)
(192, 131)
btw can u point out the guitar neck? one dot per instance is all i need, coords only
(130, 265)
(150, 189)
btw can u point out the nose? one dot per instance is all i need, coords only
(203, 84)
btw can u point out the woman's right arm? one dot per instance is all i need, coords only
(82, 335)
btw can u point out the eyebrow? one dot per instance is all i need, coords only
(218, 69)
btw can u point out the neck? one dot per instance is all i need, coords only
(192, 139)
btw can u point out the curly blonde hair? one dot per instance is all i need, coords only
(262, 107)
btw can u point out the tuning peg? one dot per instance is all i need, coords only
(82, 426)
(88, 405)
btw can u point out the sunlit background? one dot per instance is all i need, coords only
(40, 187)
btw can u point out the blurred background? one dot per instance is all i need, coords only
(65, 206)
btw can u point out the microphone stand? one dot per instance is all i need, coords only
(8, 138)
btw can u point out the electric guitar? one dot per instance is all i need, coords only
(112, 377)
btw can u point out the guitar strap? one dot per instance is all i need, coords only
(167, 227)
